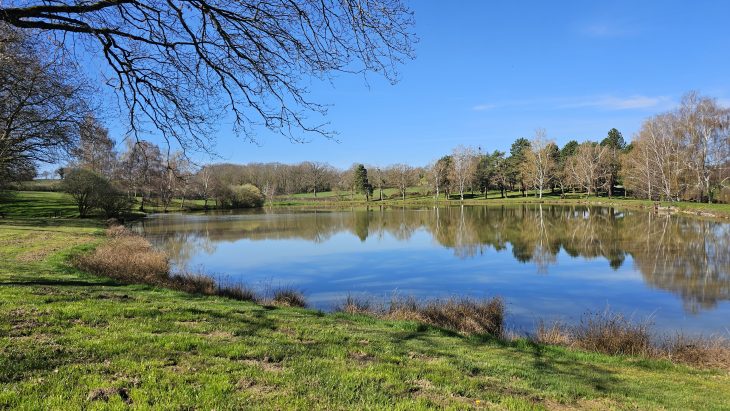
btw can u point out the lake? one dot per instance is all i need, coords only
(547, 262)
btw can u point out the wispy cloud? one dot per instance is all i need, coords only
(484, 107)
(601, 102)
(619, 103)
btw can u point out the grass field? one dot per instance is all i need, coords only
(69, 340)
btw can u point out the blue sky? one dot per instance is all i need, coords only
(487, 73)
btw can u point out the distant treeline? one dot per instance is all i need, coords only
(683, 154)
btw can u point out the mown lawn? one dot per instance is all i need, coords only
(69, 340)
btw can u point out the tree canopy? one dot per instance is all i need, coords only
(180, 66)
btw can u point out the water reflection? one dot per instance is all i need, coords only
(685, 256)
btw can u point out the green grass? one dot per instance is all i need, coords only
(39, 185)
(36, 204)
(416, 197)
(69, 340)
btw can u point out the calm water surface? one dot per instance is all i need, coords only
(548, 262)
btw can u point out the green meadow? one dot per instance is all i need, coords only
(70, 340)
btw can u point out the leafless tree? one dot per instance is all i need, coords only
(95, 150)
(704, 129)
(175, 65)
(317, 175)
(401, 176)
(589, 167)
(142, 169)
(42, 103)
(463, 167)
(539, 165)
(378, 178)
(202, 184)
(438, 173)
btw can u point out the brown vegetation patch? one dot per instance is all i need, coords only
(703, 352)
(130, 258)
(266, 364)
(614, 334)
(361, 357)
(249, 385)
(219, 334)
(463, 315)
(287, 297)
(127, 258)
(105, 394)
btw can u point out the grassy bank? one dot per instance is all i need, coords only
(71, 340)
(416, 198)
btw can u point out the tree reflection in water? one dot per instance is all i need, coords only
(686, 256)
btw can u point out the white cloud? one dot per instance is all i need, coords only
(602, 102)
(484, 107)
(618, 103)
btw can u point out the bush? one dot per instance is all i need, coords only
(247, 196)
(242, 196)
(112, 202)
(92, 191)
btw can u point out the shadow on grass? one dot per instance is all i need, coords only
(63, 283)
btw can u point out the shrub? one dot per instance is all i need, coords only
(83, 185)
(242, 196)
(90, 190)
(112, 201)
(247, 196)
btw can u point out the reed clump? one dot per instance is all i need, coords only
(288, 297)
(463, 315)
(612, 333)
(130, 258)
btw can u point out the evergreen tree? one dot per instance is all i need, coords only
(616, 144)
(360, 182)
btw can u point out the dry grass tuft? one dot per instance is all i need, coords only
(129, 258)
(553, 334)
(237, 292)
(711, 352)
(612, 333)
(288, 297)
(355, 305)
(463, 315)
